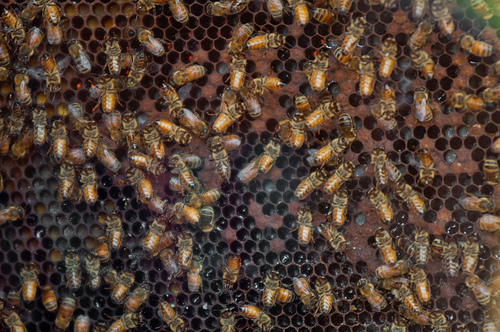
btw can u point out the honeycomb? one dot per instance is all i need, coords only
(257, 220)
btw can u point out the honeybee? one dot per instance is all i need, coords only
(262, 320)
(420, 35)
(93, 265)
(90, 137)
(173, 132)
(13, 321)
(419, 8)
(311, 183)
(59, 136)
(385, 246)
(387, 271)
(334, 237)
(419, 248)
(137, 69)
(113, 52)
(405, 295)
(151, 44)
(374, 298)
(178, 10)
(227, 117)
(51, 12)
(39, 125)
(411, 197)
(166, 240)
(187, 179)
(73, 270)
(29, 274)
(231, 271)
(481, 9)
(82, 324)
(107, 157)
(20, 147)
(449, 252)
(226, 7)
(367, 76)
(52, 71)
(470, 254)
(54, 33)
(304, 219)
(186, 75)
(137, 298)
(261, 164)
(121, 283)
(129, 130)
(67, 180)
(21, 89)
(192, 121)
(331, 150)
(327, 110)
(169, 260)
(218, 147)
(13, 26)
(339, 207)
(489, 327)
(65, 313)
(114, 230)
(438, 321)
(491, 172)
(31, 10)
(49, 299)
(379, 160)
(316, 71)
(79, 56)
(390, 283)
(33, 39)
(341, 175)
(88, 179)
(153, 236)
(183, 211)
(240, 36)
(495, 146)
(126, 322)
(271, 285)
(102, 249)
(11, 213)
(442, 16)
(170, 98)
(464, 102)
(322, 15)
(388, 61)
(140, 160)
(382, 204)
(479, 288)
(352, 35)
(489, 223)
(293, 131)
(227, 321)
(420, 284)
(476, 47)
(427, 170)
(275, 8)
(185, 250)
(138, 178)
(325, 295)
(398, 325)
(172, 318)
(300, 11)
(193, 275)
(265, 42)
(106, 91)
(260, 85)
(238, 73)
(423, 62)
(251, 102)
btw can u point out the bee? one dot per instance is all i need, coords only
(183, 211)
(481, 9)
(166, 240)
(476, 47)
(226, 7)
(90, 137)
(140, 160)
(227, 117)
(300, 11)
(405, 295)
(192, 121)
(470, 254)
(419, 248)
(73, 270)
(102, 249)
(172, 318)
(218, 147)
(265, 42)
(137, 69)
(442, 16)
(464, 102)
(193, 275)
(49, 299)
(151, 44)
(341, 175)
(198, 200)
(54, 33)
(325, 295)
(495, 146)
(271, 285)
(387, 271)
(379, 160)
(339, 207)
(82, 324)
(11, 213)
(129, 128)
(178, 10)
(419, 36)
(347, 127)
(186, 75)
(65, 313)
(169, 260)
(121, 283)
(385, 246)
(327, 110)
(427, 170)
(187, 179)
(171, 98)
(238, 73)
(109, 88)
(331, 150)
(20, 147)
(390, 283)
(449, 252)
(382, 204)
(251, 102)
(479, 288)
(388, 61)
(173, 132)
(367, 76)
(88, 179)
(419, 8)
(285, 295)
(138, 178)
(491, 172)
(33, 39)
(293, 131)
(489, 327)
(420, 284)
(153, 236)
(374, 298)
(113, 122)
(21, 89)
(399, 325)
(75, 156)
(438, 321)
(79, 56)
(227, 321)
(231, 271)
(311, 183)
(207, 216)
(316, 71)
(260, 85)
(114, 230)
(185, 250)
(322, 15)
(13, 26)
(487, 222)
(93, 265)
(240, 36)
(29, 274)
(31, 10)
(262, 320)
(275, 8)
(334, 237)
(137, 298)
(52, 72)
(59, 136)
(354, 32)
(423, 62)
(108, 158)
(304, 219)
(113, 52)
(39, 125)
(51, 12)
(261, 164)
(411, 197)
(126, 322)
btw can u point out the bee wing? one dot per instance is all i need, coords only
(37, 73)
(63, 64)
(84, 58)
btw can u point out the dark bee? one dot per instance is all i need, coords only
(73, 270)
(80, 57)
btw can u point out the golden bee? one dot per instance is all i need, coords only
(102, 249)
(285, 295)
(231, 271)
(166, 239)
(65, 313)
(347, 127)
(316, 71)
(170, 98)
(11, 213)
(151, 44)
(265, 41)
(331, 150)
(260, 85)
(374, 298)
(238, 71)
(126, 322)
(325, 295)
(491, 172)
(137, 298)
(169, 260)
(240, 36)
(13, 299)
(390, 283)
(143, 185)
(419, 8)
(137, 69)
(193, 275)
(442, 15)
(113, 52)
(334, 237)
(80, 57)
(186, 75)
(427, 171)
(479, 288)
(271, 285)
(88, 179)
(192, 121)
(386, 271)
(420, 283)
(52, 72)
(261, 164)
(463, 102)
(153, 236)
(20, 147)
(388, 61)
(341, 175)
(73, 270)
(419, 248)
(385, 246)
(178, 10)
(108, 158)
(227, 321)
(275, 8)
(489, 223)
(59, 136)
(226, 7)
(326, 110)
(29, 274)
(379, 159)
(450, 253)
(33, 39)
(188, 181)
(262, 320)
(93, 266)
(173, 132)
(82, 324)
(121, 283)
(13, 26)
(366, 76)
(339, 207)
(185, 250)
(67, 178)
(293, 131)
(172, 318)
(227, 117)
(470, 255)
(302, 104)
(114, 230)
(495, 146)
(311, 183)
(481, 9)
(148, 163)
(382, 204)
(476, 47)
(423, 62)
(419, 36)
(414, 199)
(489, 327)
(110, 88)
(129, 130)
(49, 299)
(305, 229)
(54, 33)
(300, 11)
(39, 125)
(51, 12)
(31, 10)
(218, 147)
(21, 89)
(322, 15)
(352, 35)
(407, 298)
(113, 122)
(90, 137)
(183, 211)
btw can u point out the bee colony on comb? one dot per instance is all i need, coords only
(274, 165)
